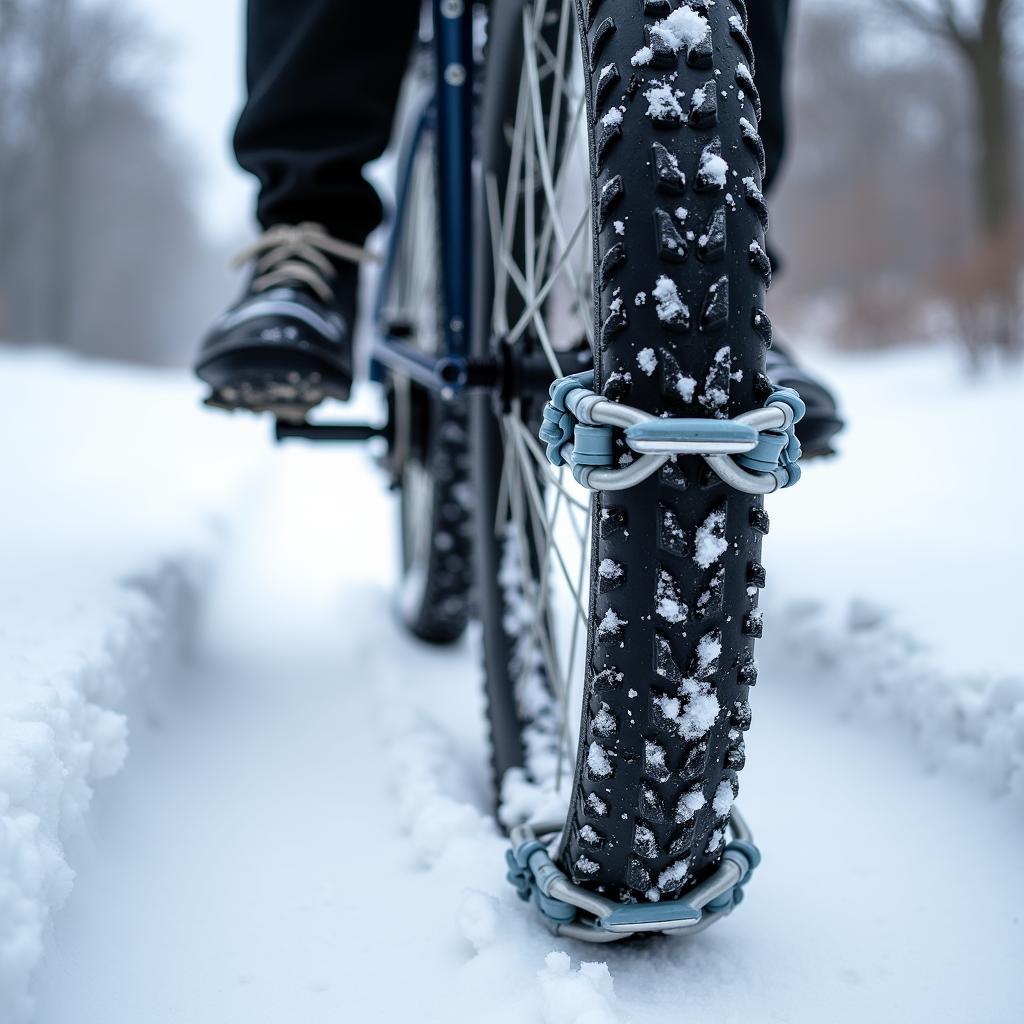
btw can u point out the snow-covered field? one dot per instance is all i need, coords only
(272, 804)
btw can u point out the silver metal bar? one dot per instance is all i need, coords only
(629, 476)
(741, 479)
(562, 889)
(588, 933)
(691, 447)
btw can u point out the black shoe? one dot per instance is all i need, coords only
(821, 422)
(287, 343)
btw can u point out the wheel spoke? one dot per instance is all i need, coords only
(533, 492)
(539, 227)
(574, 645)
(538, 300)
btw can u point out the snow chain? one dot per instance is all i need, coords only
(577, 913)
(756, 453)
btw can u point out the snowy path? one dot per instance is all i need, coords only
(255, 863)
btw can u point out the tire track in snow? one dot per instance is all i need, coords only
(306, 838)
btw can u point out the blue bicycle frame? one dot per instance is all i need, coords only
(448, 114)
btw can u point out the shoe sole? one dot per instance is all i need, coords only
(817, 442)
(285, 383)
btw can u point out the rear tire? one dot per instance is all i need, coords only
(428, 458)
(680, 330)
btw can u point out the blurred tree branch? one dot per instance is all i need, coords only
(939, 18)
(979, 33)
(97, 237)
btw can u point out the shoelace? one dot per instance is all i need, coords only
(290, 253)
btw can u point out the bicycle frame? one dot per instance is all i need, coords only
(448, 112)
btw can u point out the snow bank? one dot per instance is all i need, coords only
(62, 731)
(889, 524)
(103, 561)
(877, 673)
(458, 842)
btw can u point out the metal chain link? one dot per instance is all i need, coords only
(756, 452)
(574, 912)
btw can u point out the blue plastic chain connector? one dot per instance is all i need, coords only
(746, 856)
(556, 431)
(529, 869)
(790, 397)
(778, 451)
(561, 388)
(591, 444)
(572, 437)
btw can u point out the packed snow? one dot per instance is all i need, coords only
(112, 480)
(683, 28)
(663, 103)
(294, 822)
(669, 306)
(711, 543)
(714, 168)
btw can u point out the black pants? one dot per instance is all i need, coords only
(323, 78)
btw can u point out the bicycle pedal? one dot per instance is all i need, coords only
(288, 398)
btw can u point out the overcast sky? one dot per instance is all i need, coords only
(204, 98)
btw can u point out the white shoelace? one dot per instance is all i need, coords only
(289, 253)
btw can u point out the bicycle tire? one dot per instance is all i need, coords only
(678, 226)
(429, 450)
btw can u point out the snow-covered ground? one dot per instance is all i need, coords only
(112, 480)
(300, 830)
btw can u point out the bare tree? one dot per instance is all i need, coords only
(876, 197)
(979, 33)
(101, 250)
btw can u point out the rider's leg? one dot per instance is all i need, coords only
(323, 79)
(769, 23)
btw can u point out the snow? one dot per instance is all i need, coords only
(647, 359)
(667, 602)
(673, 875)
(714, 396)
(613, 118)
(685, 386)
(106, 548)
(302, 828)
(597, 761)
(670, 307)
(710, 543)
(611, 623)
(586, 995)
(701, 709)
(724, 797)
(708, 650)
(689, 804)
(714, 168)
(642, 56)
(663, 103)
(682, 28)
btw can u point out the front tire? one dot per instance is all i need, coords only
(678, 329)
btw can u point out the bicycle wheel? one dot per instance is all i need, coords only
(428, 455)
(622, 213)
